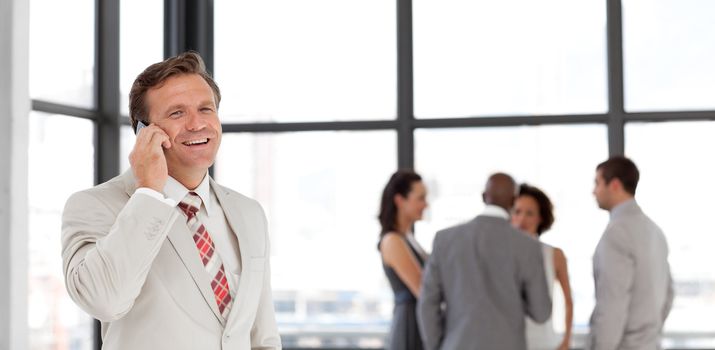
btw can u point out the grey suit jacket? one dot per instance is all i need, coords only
(482, 278)
(130, 261)
(634, 289)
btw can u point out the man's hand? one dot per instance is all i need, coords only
(147, 158)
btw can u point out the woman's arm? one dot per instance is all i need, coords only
(397, 255)
(562, 275)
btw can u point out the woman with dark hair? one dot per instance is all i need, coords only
(403, 201)
(533, 214)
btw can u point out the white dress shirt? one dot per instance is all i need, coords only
(496, 211)
(213, 218)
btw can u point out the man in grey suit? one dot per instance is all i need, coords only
(634, 289)
(482, 278)
(162, 255)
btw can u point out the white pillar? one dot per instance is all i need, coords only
(14, 113)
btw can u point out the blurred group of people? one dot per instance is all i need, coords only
(488, 283)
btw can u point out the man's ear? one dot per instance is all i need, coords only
(615, 184)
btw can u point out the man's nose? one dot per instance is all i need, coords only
(195, 121)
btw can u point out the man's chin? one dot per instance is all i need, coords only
(193, 166)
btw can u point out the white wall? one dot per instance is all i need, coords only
(14, 112)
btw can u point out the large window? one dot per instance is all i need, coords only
(70, 95)
(321, 193)
(675, 192)
(62, 52)
(141, 41)
(669, 52)
(513, 57)
(62, 80)
(317, 60)
(56, 142)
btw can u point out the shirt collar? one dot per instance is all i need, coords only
(623, 207)
(496, 211)
(176, 191)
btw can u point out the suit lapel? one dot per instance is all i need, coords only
(237, 222)
(183, 243)
(181, 240)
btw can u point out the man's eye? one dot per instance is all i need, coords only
(175, 114)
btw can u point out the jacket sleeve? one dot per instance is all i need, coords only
(669, 296)
(264, 333)
(429, 305)
(613, 271)
(535, 289)
(106, 255)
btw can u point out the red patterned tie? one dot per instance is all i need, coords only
(212, 261)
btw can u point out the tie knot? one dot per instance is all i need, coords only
(191, 203)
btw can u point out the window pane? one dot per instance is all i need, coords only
(316, 60)
(321, 192)
(675, 190)
(513, 57)
(561, 160)
(62, 52)
(56, 142)
(141, 41)
(669, 52)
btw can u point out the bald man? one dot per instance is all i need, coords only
(488, 275)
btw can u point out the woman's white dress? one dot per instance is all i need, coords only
(542, 336)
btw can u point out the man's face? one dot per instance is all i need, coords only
(602, 192)
(185, 108)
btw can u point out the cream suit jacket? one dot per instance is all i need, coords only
(130, 261)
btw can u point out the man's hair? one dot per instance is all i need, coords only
(623, 169)
(155, 75)
(546, 208)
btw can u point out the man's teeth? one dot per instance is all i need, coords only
(194, 142)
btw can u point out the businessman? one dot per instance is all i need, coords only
(162, 255)
(482, 279)
(634, 289)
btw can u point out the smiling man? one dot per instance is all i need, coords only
(162, 255)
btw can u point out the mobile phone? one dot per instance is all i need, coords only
(140, 125)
